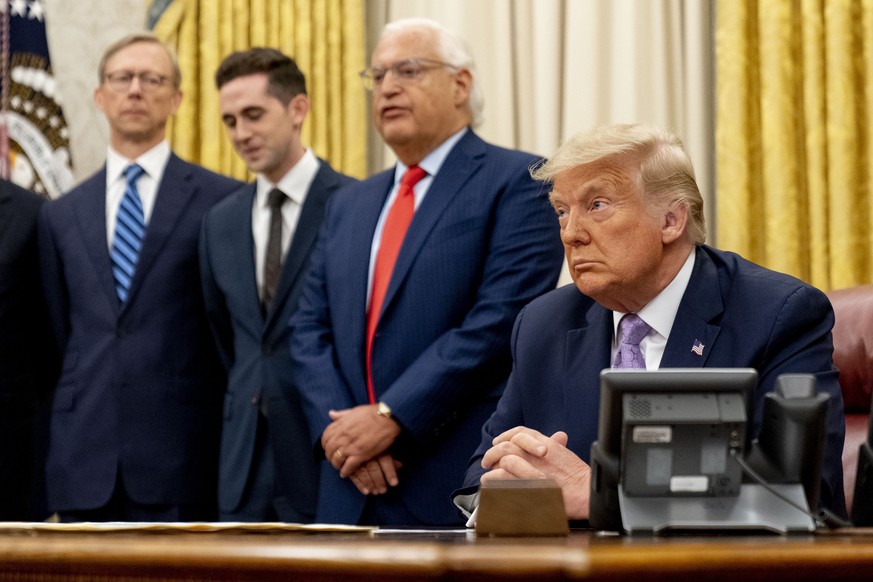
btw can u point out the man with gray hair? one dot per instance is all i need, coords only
(632, 225)
(401, 342)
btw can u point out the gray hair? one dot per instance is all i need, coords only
(453, 50)
(661, 162)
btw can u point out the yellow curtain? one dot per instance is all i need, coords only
(794, 137)
(325, 37)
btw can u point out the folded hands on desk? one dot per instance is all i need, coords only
(524, 453)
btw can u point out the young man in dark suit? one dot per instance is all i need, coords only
(137, 411)
(254, 250)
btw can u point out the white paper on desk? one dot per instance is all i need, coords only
(178, 527)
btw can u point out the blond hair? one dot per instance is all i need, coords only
(658, 155)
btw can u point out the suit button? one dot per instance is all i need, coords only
(267, 350)
(121, 333)
(255, 400)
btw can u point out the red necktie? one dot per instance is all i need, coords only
(396, 225)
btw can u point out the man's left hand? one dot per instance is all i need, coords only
(356, 436)
(376, 475)
(523, 453)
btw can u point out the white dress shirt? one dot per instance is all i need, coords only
(153, 162)
(659, 313)
(295, 184)
(431, 164)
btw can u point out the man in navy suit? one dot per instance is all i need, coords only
(253, 256)
(137, 411)
(632, 225)
(396, 393)
(28, 360)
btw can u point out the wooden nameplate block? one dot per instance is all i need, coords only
(521, 508)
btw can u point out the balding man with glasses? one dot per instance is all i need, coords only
(136, 413)
(401, 341)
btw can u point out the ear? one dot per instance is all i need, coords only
(463, 86)
(299, 107)
(674, 222)
(98, 98)
(176, 101)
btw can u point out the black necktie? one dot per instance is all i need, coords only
(273, 259)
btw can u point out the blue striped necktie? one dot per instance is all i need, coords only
(129, 232)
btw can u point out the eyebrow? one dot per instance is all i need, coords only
(140, 72)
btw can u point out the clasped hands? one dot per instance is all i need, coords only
(356, 445)
(524, 453)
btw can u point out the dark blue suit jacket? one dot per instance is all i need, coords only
(745, 315)
(28, 360)
(254, 347)
(141, 383)
(482, 244)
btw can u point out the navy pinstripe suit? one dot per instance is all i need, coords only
(482, 244)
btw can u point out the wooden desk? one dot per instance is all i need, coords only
(430, 556)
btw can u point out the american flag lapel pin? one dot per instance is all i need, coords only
(697, 348)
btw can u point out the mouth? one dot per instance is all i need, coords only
(579, 265)
(392, 112)
(250, 153)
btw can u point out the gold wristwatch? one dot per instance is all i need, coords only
(383, 409)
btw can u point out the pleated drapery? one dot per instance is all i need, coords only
(325, 37)
(794, 136)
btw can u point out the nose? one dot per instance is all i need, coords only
(389, 86)
(574, 231)
(135, 85)
(241, 131)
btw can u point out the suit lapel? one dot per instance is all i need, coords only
(700, 305)
(304, 238)
(91, 216)
(367, 202)
(461, 163)
(241, 246)
(588, 348)
(587, 353)
(173, 196)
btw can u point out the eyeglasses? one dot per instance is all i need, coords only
(405, 72)
(149, 82)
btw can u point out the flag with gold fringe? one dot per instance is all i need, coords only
(34, 138)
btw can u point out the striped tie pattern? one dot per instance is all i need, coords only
(129, 232)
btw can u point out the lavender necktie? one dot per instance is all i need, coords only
(633, 330)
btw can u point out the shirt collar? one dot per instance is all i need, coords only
(295, 184)
(152, 161)
(661, 311)
(433, 161)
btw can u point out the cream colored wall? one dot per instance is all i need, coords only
(78, 31)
